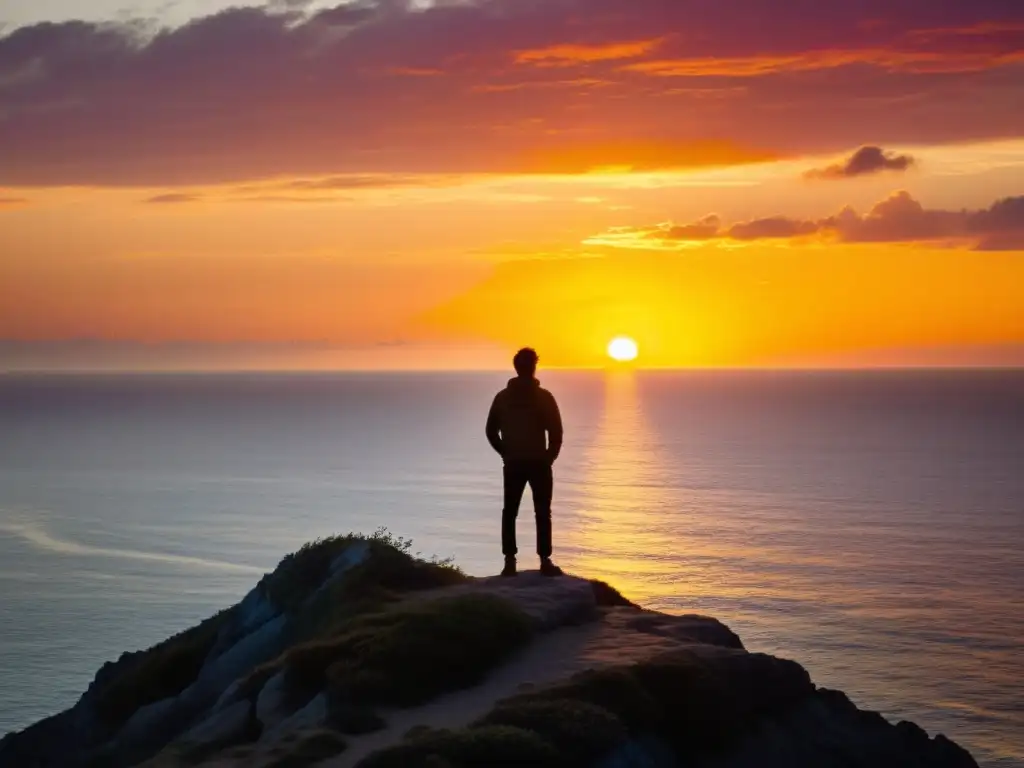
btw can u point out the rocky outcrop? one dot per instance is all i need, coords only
(354, 653)
(146, 700)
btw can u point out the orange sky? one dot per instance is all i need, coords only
(612, 181)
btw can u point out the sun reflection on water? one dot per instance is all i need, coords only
(618, 534)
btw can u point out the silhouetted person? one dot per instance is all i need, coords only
(525, 427)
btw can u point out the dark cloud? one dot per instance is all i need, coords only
(172, 198)
(899, 218)
(771, 228)
(863, 162)
(705, 229)
(461, 86)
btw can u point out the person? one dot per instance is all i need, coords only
(525, 427)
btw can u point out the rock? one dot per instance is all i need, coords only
(641, 753)
(256, 648)
(688, 629)
(231, 726)
(271, 708)
(230, 695)
(660, 689)
(151, 727)
(355, 554)
(550, 602)
(43, 745)
(609, 597)
(253, 612)
(313, 715)
(354, 720)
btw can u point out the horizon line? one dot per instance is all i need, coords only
(549, 368)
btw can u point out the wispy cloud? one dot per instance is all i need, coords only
(899, 218)
(172, 198)
(568, 54)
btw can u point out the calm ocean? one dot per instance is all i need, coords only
(868, 525)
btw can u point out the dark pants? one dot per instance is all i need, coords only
(539, 476)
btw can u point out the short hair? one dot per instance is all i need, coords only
(525, 362)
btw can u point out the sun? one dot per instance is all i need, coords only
(623, 349)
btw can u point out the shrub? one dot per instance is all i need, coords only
(582, 732)
(409, 653)
(300, 573)
(609, 597)
(616, 690)
(388, 569)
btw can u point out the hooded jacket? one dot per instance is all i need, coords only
(524, 423)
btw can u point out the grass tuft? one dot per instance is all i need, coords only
(390, 566)
(407, 654)
(581, 731)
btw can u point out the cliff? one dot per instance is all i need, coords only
(355, 653)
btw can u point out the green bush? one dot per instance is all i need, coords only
(582, 732)
(616, 690)
(409, 653)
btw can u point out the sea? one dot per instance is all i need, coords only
(869, 525)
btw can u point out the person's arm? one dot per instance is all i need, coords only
(554, 427)
(493, 430)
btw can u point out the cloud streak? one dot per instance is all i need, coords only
(864, 162)
(172, 198)
(396, 87)
(899, 218)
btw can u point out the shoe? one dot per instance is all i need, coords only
(548, 568)
(510, 567)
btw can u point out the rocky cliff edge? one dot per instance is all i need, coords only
(354, 652)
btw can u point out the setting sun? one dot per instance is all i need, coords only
(623, 349)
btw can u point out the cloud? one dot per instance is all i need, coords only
(890, 60)
(568, 54)
(350, 182)
(899, 218)
(172, 198)
(705, 229)
(863, 162)
(475, 86)
(11, 202)
(771, 228)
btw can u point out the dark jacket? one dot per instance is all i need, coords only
(524, 423)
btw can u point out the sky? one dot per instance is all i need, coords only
(399, 184)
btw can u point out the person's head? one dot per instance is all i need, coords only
(525, 362)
